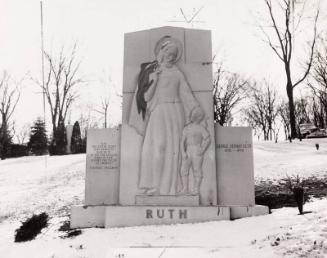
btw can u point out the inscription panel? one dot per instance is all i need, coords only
(103, 156)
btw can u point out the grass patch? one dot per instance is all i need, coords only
(31, 227)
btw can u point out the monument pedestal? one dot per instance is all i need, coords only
(161, 215)
(129, 216)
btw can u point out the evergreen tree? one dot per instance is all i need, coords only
(5, 142)
(76, 140)
(38, 142)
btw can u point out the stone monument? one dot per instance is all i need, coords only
(175, 165)
(69, 132)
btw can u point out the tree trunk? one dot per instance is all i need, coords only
(289, 89)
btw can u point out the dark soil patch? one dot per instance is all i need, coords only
(73, 233)
(277, 195)
(31, 227)
(65, 227)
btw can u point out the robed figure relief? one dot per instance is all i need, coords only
(161, 109)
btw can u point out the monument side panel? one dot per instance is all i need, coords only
(235, 171)
(102, 166)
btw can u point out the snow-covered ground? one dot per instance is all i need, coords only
(34, 184)
(297, 158)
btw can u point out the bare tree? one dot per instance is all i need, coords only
(285, 118)
(104, 110)
(285, 25)
(87, 122)
(87, 119)
(229, 91)
(318, 84)
(263, 109)
(60, 84)
(317, 110)
(23, 133)
(302, 110)
(9, 97)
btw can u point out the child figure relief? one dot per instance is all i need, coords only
(195, 141)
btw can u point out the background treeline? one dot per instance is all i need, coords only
(260, 105)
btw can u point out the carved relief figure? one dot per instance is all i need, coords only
(195, 141)
(163, 101)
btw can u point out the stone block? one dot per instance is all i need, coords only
(127, 100)
(87, 216)
(137, 47)
(119, 216)
(235, 172)
(168, 200)
(129, 165)
(102, 166)
(237, 212)
(131, 73)
(198, 75)
(69, 132)
(198, 46)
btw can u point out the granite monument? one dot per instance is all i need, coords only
(168, 162)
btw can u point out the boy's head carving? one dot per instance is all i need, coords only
(197, 115)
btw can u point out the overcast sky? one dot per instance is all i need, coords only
(99, 27)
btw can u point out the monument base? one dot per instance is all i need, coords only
(238, 212)
(128, 216)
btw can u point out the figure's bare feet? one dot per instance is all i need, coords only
(142, 190)
(152, 191)
(184, 191)
(195, 192)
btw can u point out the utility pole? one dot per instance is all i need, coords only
(42, 57)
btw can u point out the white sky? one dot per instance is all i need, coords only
(99, 27)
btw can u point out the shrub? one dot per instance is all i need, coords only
(296, 186)
(18, 150)
(31, 227)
